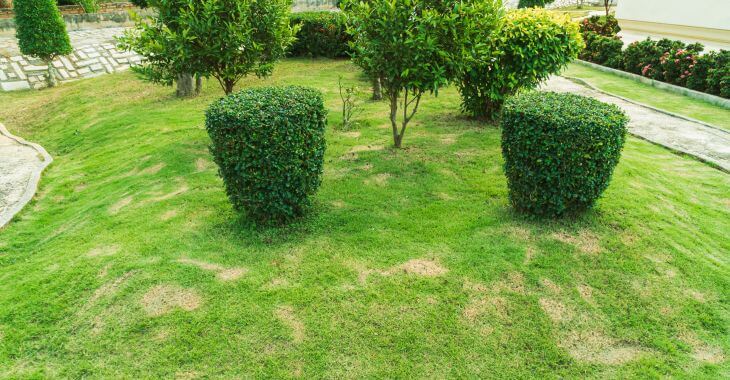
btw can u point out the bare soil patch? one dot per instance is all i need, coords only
(702, 351)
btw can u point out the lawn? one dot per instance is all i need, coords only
(130, 263)
(677, 103)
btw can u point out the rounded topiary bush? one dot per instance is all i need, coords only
(269, 146)
(560, 151)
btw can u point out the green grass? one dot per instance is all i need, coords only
(91, 284)
(646, 94)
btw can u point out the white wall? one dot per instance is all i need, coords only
(699, 13)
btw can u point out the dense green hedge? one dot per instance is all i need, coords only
(666, 60)
(323, 34)
(560, 151)
(269, 146)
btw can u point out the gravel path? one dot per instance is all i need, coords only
(21, 164)
(683, 135)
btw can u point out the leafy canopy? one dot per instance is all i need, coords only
(225, 39)
(415, 46)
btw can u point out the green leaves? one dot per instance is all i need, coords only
(322, 34)
(528, 47)
(225, 39)
(269, 145)
(41, 31)
(560, 151)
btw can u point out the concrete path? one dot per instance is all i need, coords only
(79, 39)
(21, 164)
(684, 135)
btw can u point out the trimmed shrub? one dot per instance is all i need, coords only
(529, 46)
(41, 31)
(718, 74)
(322, 34)
(602, 50)
(644, 57)
(269, 146)
(560, 151)
(533, 3)
(676, 66)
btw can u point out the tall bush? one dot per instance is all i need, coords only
(602, 50)
(269, 146)
(41, 32)
(528, 47)
(322, 34)
(415, 46)
(560, 151)
(533, 3)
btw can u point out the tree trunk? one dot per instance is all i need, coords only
(51, 76)
(198, 84)
(185, 85)
(377, 89)
(397, 139)
(228, 86)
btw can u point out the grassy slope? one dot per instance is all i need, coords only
(683, 105)
(637, 288)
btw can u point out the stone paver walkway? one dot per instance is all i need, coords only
(693, 138)
(21, 164)
(79, 39)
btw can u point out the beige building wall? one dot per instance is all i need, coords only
(704, 21)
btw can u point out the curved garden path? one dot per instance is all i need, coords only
(707, 143)
(21, 164)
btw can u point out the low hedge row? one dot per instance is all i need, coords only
(322, 34)
(560, 151)
(666, 60)
(269, 146)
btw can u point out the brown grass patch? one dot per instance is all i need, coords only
(444, 196)
(556, 310)
(448, 139)
(122, 203)
(551, 286)
(487, 305)
(221, 272)
(352, 134)
(530, 254)
(163, 299)
(337, 204)
(595, 347)
(514, 283)
(202, 164)
(586, 292)
(109, 289)
(180, 190)
(286, 315)
(379, 179)
(420, 267)
(104, 250)
(585, 241)
(352, 154)
(169, 214)
(702, 351)
(153, 169)
(696, 295)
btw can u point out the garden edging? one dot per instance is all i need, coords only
(32, 185)
(716, 100)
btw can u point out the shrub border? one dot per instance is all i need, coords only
(33, 182)
(716, 100)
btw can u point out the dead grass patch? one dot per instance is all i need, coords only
(486, 305)
(551, 286)
(153, 169)
(702, 351)
(530, 254)
(202, 164)
(169, 214)
(163, 299)
(286, 316)
(514, 283)
(585, 241)
(122, 203)
(595, 347)
(103, 250)
(556, 310)
(221, 272)
(379, 179)
(352, 134)
(353, 153)
(337, 204)
(420, 267)
(585, 292)
(180, 190)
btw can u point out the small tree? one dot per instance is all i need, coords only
(41, 32)
(529, 46)
(607, 5)
(225, 39)
(414, 46)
